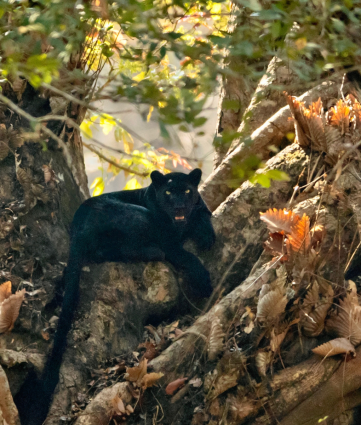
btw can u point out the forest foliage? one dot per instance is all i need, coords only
(126, 50)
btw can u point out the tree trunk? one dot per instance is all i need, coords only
(236, 93)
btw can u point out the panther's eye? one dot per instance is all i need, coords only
(187, 191)
(167, 192)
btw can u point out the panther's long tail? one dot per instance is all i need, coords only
(34, 398)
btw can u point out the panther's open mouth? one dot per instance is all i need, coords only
(179, 218)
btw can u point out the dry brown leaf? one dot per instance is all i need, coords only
(5, 291)
(333, 137)
(226, 375)
(312, 297)
(334, 347)
(313, 323)
(171, 328)
(318, 233)
(277, 284)
(135, 374)
(271, 306)
(249, 328)
(223, 383)
(154, 332)
(265, 289)
(129, 409)
(4, 150)
(178, 333)
(19, 86)
(118, 406)
(196, 382)
(276, 340)
(215, 345)
(9, 311)
(280, 220)
(45, 335)
(356, 109)
(352, 296)
(316, 107)
(317, 132)
(335, 145)
(151, 351)
(275, 243)
(49, 174)
(15, 139)
(339, 116)
(175, 385)
(150, 379)
(300, 235)
(297, 109)
(263, 361)
(24, 177)
(347, 323)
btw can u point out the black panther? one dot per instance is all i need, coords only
(149, 224)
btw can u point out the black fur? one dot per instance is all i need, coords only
(148, 224)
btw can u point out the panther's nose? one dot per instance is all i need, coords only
(179, 209)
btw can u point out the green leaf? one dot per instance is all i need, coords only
(98, 186)
(132, 184)
(96, 182)
(107, 51)
(277, 175)
(98, 190)
(85, 128)
(174, 35)
(163, 130)
(140, 77)
(261, 179)
(162, 52)
(184, 128)
(231, 104)
(199, 121)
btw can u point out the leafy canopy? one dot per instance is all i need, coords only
(133, 45)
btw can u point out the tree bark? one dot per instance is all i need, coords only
(240, 231)
(235, 94)
(222, 181)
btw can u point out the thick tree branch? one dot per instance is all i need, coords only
(267, 99)
(221, 182)
(240, 232)
(343, 386)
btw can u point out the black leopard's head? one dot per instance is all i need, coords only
(177, 193)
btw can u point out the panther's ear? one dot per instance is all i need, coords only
(158, 179)
(195, 176)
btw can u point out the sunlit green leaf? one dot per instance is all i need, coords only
(132, 184)
(85, 128)
(95, 183)
(98, 186)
